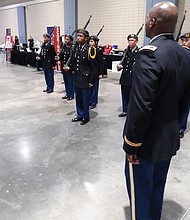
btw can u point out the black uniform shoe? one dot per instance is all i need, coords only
(76, 119)
(70, 98)
(92, 106)
(65, 97)
(45, 90)
(49, 91)
(181, 134)
(84, 121)
(123, 114)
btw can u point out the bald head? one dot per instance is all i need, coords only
(162, 18)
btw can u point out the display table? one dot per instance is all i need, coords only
(109, 58)
(23, 58)
(29, 58)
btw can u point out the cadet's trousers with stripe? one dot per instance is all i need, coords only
(125, 91)
(94, 93)
(145, 185)
(49, 78)
(82, 97)
(69, 85)
(183, 126)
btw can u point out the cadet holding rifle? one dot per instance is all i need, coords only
(85, 72)
(67, 73)
(126, 64)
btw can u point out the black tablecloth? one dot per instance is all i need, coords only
(23, 58)
(29, 58)
(111, 57)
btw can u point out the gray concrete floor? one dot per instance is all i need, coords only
(53, 169)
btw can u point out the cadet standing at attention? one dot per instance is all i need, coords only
(128, 59)
(85, 72)
(93, 42)
(159, 99)
(67, 73)
(47, 55)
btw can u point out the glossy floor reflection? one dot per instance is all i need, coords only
(53, 169)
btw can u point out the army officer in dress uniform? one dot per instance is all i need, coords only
(47, 55)
(128, 59)
(85, 72)
(159, 98)
(67, 73)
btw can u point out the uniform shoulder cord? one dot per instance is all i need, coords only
(90, 49)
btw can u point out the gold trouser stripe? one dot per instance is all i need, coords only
(132, 191)
(131, 143)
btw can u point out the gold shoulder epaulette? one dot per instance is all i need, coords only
(149, 47)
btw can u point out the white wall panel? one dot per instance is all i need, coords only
(120, 18)
(8, 19)
(39, 16)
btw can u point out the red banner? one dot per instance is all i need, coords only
(56, 40)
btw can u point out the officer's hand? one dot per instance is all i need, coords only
(57, 58)
(132, 159)
(100, 76)
(119, 67)
(66, 68)
(38, 58)
(90, 85)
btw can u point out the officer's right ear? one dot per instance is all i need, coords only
(152, 22)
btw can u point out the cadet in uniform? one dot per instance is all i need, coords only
(128, 59)
(159, 98)
(93, 42)
(47, 55)
(85, 73)
(185, 42)
(67, 73)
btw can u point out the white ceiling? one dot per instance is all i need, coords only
(11, 2)
(4, 4)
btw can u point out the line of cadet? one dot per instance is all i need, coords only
(81, 75)
(82, 68)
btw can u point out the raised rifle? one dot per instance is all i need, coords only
(182, 22)
(73, 49)
(100, 31)
(85, 26)
(140, 29)
(127, 50)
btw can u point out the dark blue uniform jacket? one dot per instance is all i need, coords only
(159, 98)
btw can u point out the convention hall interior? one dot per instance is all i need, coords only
(52, 168)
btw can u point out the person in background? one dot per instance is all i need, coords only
(159, 98)
(47, 55)
(185, 42)
(93, 42)
(16, 43)
(31, 43)
(126, 64)
(67, 72)
(107, 49)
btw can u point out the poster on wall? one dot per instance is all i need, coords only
(8, 44)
